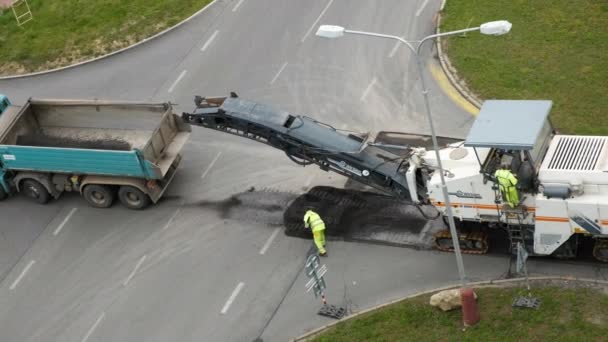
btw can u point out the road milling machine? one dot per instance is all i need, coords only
(562, 179)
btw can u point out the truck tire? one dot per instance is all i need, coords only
(35, 191)
(99, 196)
(133, 198)
(3, 194)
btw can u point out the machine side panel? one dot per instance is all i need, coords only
(553, 226)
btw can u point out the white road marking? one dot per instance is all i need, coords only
(172, 218)
(210, 40)
(27, 268)
(367, 90)
(278, 73)
(90, 332)
(237, 5)
(179, 78)
(141, 261)
(394, 50)
(309, 180)
(211, 165)
(269, 241)
(235, 293)
(421, 8)
(65, 220)
(317, 21)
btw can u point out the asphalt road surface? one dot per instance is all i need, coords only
(198, 266)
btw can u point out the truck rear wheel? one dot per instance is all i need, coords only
(3, 194)
(133, 198)
(35, 191)
(99, 196)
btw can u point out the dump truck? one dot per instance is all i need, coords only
(101, 149)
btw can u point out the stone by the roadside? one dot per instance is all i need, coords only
(447, 300)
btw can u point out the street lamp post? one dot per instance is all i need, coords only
(491, 28)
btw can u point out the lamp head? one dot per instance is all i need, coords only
(330, 31)
(495, 28)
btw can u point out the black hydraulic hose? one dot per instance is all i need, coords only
(419, 207)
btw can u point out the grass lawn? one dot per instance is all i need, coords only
(576, 314)
(66, 31)
(557, 50)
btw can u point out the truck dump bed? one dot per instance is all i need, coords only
(92, 137)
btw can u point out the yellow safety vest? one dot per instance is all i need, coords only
(313, 220)
(505, 179)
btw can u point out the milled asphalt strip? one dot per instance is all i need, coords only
(141, 261)
(25, 270)
(317, 21)
(368, 89)
(278, 73)
(65, 220)
(211, 165)
(269, 241)
(209, 41)
(419, 11)
(93, 327)
(237, 5)
(230, 300)
(179, 78)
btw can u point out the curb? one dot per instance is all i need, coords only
(450, 71)
(313, 333)
(145, 40)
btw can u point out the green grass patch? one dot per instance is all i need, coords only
(557, 50)
(67, 31)
(575, 314)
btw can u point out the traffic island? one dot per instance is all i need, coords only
(571, 310)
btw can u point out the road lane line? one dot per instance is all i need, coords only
(368, 89)
(317, 21)
(394, 50)
(419, 11)
(65, 220)
(450, 91)
(211, 165)
(210, 40)
(269, 241)
(141, 261)
(278, 73)
(237, 5)
(90, 332)
(235, 293)
(172, 218)
(179, 78)
(27, 268)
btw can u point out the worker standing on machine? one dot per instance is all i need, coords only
(313, 221)
(507, 182)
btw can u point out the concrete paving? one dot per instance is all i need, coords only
(185, 270)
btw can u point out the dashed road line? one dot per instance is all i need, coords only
(394, 50)
(25, 270)
(270, 240)
(209, 41)
(65, 220)
(141, 261)
(317, 21)
(93, 327)
(278, 73)
(177, 211)
(368, 89)
(230, 300)
(179, 78)
(419, 11)
(211, 165)
(238, 4)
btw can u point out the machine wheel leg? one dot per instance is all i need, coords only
(600, 250)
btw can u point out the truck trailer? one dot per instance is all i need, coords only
(100, 149)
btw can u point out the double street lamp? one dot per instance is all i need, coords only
(494, 28)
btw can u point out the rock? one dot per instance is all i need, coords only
(447, 300)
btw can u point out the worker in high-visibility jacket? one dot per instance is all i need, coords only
(313, 221)
(507, 182)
